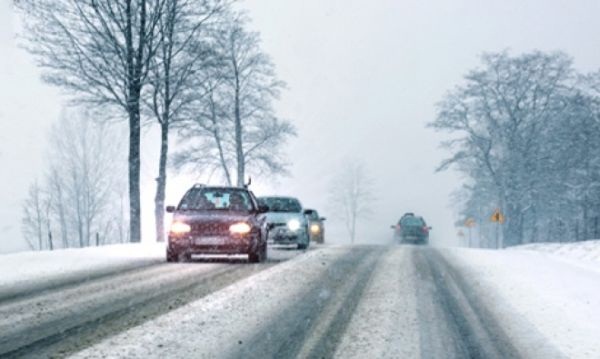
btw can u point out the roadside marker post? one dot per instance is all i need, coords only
(498, 218)
(470, 223)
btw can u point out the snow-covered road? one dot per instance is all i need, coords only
(333, 301)
(71, 306)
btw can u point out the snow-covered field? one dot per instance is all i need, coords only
(25, 271)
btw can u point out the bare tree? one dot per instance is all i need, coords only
(235, 128)
(206, 131)
(82, 188)
(56, 186)
(100, 51)
(34, 216)
(182, 52)
(352, 195)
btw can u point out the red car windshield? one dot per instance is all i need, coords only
(207, 199)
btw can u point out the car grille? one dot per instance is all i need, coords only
(210, 229)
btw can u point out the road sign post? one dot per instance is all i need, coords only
(498, 218)
(470, 238)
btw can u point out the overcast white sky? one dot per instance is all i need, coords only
(363, 78)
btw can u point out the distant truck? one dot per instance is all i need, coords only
(411, 229)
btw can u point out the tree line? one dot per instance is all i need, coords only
(523, 131)
(191, 67)
(81, 199)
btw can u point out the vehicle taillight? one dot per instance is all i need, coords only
(425, 229)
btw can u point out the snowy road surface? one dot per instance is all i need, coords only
(339, 301)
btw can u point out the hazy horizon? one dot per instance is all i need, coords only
(363, 80)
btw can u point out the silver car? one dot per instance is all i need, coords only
(286, 221)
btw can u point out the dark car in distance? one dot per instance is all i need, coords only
(217, 220)
(411, 229)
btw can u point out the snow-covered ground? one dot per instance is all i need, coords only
(554, 290)
(223, 320)
(546, 297)
(27, 271)
(584, 253)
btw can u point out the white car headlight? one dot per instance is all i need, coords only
(315, 229)
(240, 228)
(293, 225)
(180, 228)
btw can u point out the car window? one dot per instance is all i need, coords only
(412, 221)
(217, 199)
(282, 204)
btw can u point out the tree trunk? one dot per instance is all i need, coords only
(217, 136)
(239, 151)
(50, 243)
(512, 232)
(63, 223)
(586, 221)
(134, 171)
(134, 73)
(161, 182)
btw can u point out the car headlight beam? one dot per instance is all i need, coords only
(315, 229)
(293, 225)
(240, 228)
(180, 228)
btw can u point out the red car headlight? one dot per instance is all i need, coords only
(240, 228)
(180, 228)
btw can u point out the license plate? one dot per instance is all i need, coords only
(210, 241)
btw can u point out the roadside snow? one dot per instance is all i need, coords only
(557, 303)
(29, 271)
(585, 253)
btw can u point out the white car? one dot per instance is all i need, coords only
(286, 221)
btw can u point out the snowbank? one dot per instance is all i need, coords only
(585, 253)
(556, 303)
(29, 271)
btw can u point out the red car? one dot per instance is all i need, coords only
(217, 220)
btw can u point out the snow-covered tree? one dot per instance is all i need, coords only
(100, 51)
(184, 49)
(522, 131)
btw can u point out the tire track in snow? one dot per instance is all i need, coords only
(452, 323)
(85, 314)
(313, 325)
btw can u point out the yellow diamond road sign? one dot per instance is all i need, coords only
(497, 216)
